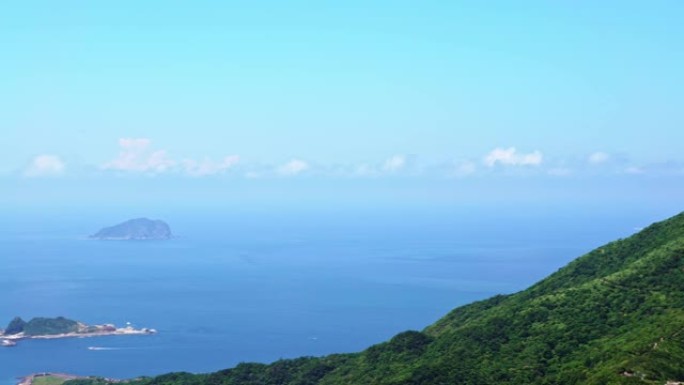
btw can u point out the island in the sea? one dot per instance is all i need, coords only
(136, 229)
(60, 327)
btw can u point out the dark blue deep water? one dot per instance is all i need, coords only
(259, 286)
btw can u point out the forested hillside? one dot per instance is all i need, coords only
(613, 316)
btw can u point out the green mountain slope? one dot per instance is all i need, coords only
(613, 316)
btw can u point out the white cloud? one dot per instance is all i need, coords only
(463, 169)
(394, 163)
(511, 157)
(135, 155)
(598, 158)
(634, 170)
(293, 167)
(667, 168)
(560, 171)
(365, 170)
(208, 166)
(45, 166)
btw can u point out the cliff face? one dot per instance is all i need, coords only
(136, 229)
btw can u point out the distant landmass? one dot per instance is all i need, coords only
(613, 316)
(136, 229)
(60, 327)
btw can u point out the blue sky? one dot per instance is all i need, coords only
(439, 101)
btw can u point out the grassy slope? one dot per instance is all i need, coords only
(48, 380)
(617, 310)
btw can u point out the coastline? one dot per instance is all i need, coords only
(28, 380)
(102, 331)
(59, 378)
(117, 332)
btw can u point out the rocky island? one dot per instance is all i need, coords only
(60, 327)
(136, 229)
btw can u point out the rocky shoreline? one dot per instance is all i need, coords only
(95, 331)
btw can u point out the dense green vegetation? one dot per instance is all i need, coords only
(15, 326)
(47, 326)
(613, 316)
(48, 380)
(42, 326)
(88, 381)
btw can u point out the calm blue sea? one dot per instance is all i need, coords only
(259, 286)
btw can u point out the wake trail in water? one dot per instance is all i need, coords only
(101, 348)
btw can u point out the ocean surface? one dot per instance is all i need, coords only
(259, 286)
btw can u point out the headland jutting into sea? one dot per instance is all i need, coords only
(60, 327)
